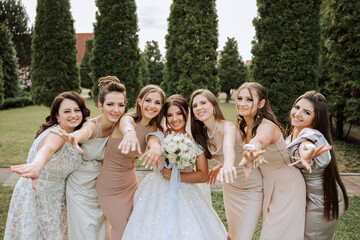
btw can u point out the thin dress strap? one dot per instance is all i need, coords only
(96, 128)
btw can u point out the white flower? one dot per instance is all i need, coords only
(177, 138)
(171, 147)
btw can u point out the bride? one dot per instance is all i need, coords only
(188, 215)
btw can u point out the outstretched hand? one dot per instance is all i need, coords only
(309, 153)
(31, 170)
(227, 173)
(130, 141)
(249, 157)
(151, 157)
(212, 175)
(70, 139)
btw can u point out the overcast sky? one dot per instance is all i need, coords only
(235, 20)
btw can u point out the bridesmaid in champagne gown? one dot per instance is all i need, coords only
(283, 215)
(86, 220)
(310, 127)
(40, 213)
(221, 140)
(117, 181)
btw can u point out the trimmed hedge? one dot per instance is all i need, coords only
(16, 102)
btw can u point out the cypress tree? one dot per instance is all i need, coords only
(1, 83)
(341, 62)
(144, 76)
(85, 67)
(116, 49)
(232, 71)
(286, 50)
(191, 45)
(14, 16)
(54, 68)
(9, 63)
(154, 62)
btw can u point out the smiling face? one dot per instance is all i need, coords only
(151, 105)
(302, 114)
(114, 106)
(202, 108)
(69, 115)
(248, 104)
(175, 119)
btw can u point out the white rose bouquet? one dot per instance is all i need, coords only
(179, 150)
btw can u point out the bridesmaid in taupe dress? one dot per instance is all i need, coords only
(283, 214)
(310, 129)
(221, 140)
(117, 181)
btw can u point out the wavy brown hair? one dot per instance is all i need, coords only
(137, 115)
(109, 84)
(55, 106)
(331, 173)
(264, 112)
(198, 128)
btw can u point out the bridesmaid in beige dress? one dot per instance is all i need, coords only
(86, 220)
(117, 181)
(221, 140)
(283, 215)
(310, 136)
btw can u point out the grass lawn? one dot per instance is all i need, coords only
(18, 127)
(347, 228)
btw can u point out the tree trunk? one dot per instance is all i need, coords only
(228, 96)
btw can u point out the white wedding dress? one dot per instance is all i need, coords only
(196, 218)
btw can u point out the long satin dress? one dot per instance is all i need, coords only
(315, 226)
(117, 182)
(41, 213)
(243, 199)
(86, 220)
(283, 214)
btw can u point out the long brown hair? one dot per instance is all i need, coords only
(136, 114)
(198, 128)
(331, 173)
(180, 102)
(264, 112)
(109, 84)
(54, 110)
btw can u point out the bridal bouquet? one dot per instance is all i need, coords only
(179, 150)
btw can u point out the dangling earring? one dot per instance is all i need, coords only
(59, 121)
(258, 116)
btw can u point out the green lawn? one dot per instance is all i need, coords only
(347, 228)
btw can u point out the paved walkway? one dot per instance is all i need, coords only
(351, 181)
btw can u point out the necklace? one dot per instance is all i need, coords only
(212, 135)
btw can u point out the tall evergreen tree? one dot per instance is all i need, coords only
(116, 49)
(191, 45)
(286, 50)
(155, 65)
(341, 61)
(13, 15)
(54, 68)
(144, 76)
(2, 95)
(232, 71)
(9, 64)
(85, 67)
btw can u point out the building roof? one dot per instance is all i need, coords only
(80, 44)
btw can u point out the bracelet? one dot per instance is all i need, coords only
(251, 147)
(308, 146)
(128, 130)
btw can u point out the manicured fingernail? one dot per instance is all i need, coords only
(143, 164)
(151, 167)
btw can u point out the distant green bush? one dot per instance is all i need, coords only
(16, 102)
